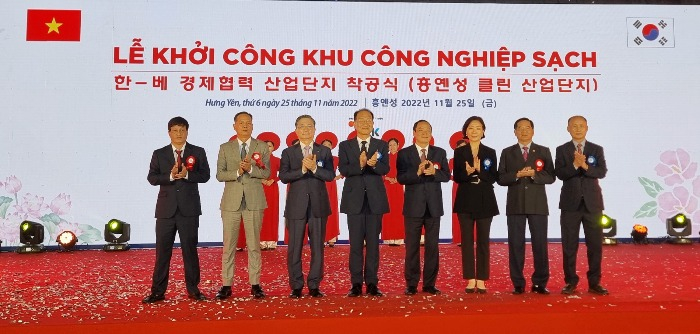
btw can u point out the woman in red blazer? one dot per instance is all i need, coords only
(269, 233)
(392, 223)
(330, 140)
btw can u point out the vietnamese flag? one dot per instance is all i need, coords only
(53, 25)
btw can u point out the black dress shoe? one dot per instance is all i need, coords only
(373, 290)
(518, 290)
(316, 293)
(539, 289)
(481, 290)
(569, 289)
(197, 296)
(470, 290)
(152, 298)
(431, 290)
(223, 293)
(257, 291)
(410, 290)
(355, 291)
(598, 290)
(296, 294)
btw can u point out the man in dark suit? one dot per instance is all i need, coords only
(177, 168)
(242, 165)
(363, 161)
(579, 165)
(525, 169)
(306, 167)
(421, 168)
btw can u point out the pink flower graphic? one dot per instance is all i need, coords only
(61, 204)
(31, 207)
(679, 200)
(675, 167)
(12, 184)
(9, 232)
(696, 186)
(65, 225)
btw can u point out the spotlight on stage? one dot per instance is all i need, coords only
(66, 240)
(117, 233)
(31, 236)
(609, 230)
(679, 228)
(639, 234)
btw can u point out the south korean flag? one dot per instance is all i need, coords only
(650, 32)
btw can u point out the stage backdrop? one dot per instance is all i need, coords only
(88, 88)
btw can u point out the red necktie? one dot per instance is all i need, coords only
(525, 153)
(179, 159)
(578, 149)
(422, 155)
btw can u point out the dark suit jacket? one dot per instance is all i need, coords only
(308, 188)
(422, 191)
(579, 183)
(526, 195)
(182, 193)
(360, 181)
(477, 199)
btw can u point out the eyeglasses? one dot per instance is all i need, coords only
(305, 127)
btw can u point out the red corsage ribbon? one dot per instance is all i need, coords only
(258, 160)
(539, 165)
(189, 163)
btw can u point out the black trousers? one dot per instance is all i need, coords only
(483, 254)
(571, 222)
(364, 228)
(188, 229)
(516, 248)
(431, 266)
(317, 233)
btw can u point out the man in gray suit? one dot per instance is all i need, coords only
(525, 169)
(579, 165)
(363, 161)
(306, 167)
(243, 163)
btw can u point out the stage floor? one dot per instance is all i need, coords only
(651, 287)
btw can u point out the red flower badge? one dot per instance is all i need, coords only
(258, 160)
(539, 165)
(189, 163)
